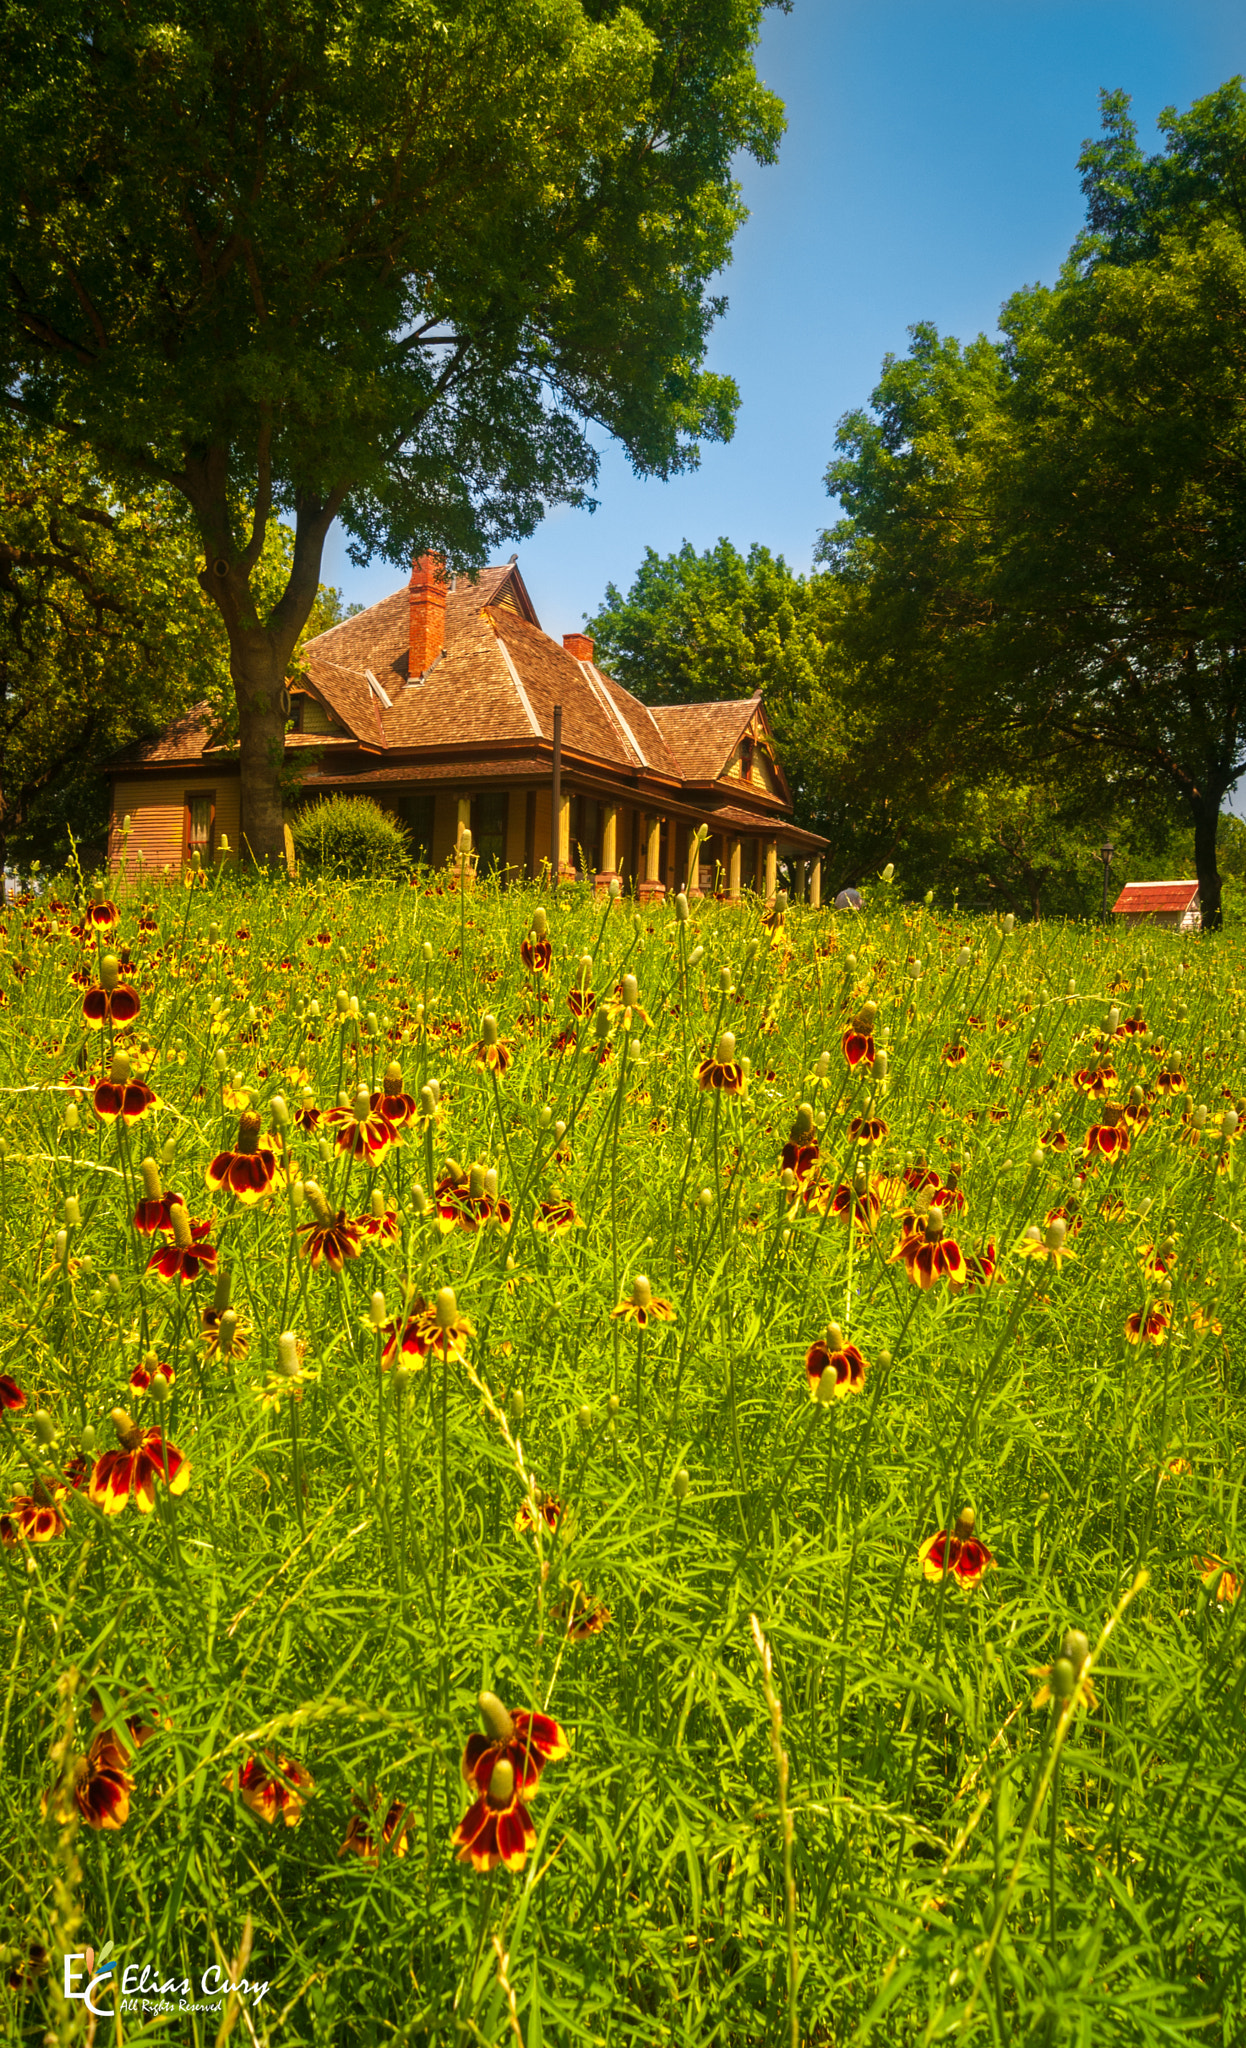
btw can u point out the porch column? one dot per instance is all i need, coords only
(802, 879)
(564, 835)
(609, 871)
(815, 883)
(735, 848)
(652, 888)
(771, 871)
(463, 823)
(759, 867)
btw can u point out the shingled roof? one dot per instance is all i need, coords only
(1160, 897)
(703, 737)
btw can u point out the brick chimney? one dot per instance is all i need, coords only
(578, 646)
(426, 593)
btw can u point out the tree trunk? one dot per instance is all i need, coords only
(259, 673)
(1206, 811)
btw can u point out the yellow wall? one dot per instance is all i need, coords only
(157, 813)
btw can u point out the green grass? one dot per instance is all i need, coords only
(344, 1572)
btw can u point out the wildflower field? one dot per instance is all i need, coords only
(576, 1474)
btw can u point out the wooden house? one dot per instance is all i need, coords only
(444, 703)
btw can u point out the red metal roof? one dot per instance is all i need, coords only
(1163, 896)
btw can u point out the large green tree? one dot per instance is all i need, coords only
(379, 260)
(1047, 536)
(104, 634)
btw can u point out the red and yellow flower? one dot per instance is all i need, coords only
(927, 1253)
(110, 1000)
(249, 1170)
(835, 1355)
(272, 1787)
(1149, 1325)
(643, 1306)
(723, 1070)
(131, 1473)
(34, 1517)
(190, 1254)
(504, 1767)
(102, 1782)
(329, 1237)
(960, 1554)
(120, 1096)
(360, 1837)
(362, 1131)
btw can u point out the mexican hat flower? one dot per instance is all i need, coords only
(833, 1354)
(469, 1200)
(131, 1473)
(272, 1787)
(723, 1070)
(155, 1210)
(857, 1043)
(392, 1101)
(961, 1554)
(360, 1838)
(504, 1767)
(34, 1517)
(537, 953)
(491, 1053)
(12, 1396)
(249, 1170)
(1109, 1138)
(643, 1306)
(928, 1254)
(120, 1096)
(151, 1369)
(378, 1222)
(102, 1782)
(329, 1237)
(1149, 1325)
(362, 1131)
(800, 1154)
(101, 915)
(190, 1254)
(110, 1000)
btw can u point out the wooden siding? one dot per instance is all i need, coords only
(445, 826)
(156, 844)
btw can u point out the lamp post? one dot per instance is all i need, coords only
(1105, 855)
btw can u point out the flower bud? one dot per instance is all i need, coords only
(642, 1291)
(288, 1353)
(1062, 1679)
(751, 951)
(1010, 922)
(826, 1387)
(110, 971)
(73, 1213)
(72, 1118)
(540, 922)
(362, 1106)
(426, 953)
(1057, 1231)
(447, 1308)
(612, 1405)
(428, 1101)
(696, 956)
(560, 1129)
(681, 1485)
(835, 1338)
(341, 1002)
(888, 872)
(87, 1440)
(376, 1309)
(1114, 1017)
(584, 1416)
(515, 1405)
(1228, 1122)
(964, 958)
(220, 1060)
(681, 907)
(1076, 1647)
(61, 1247)
(45, 1427)
(726, 1048)
(489, 1030)
(614, 889)
(278, 1110)
(313, 1009)
(631, 991)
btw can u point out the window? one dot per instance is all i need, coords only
(746, 757)
(414, 809)
(489, 814)
(201, 824)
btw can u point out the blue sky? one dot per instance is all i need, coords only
(929, 168)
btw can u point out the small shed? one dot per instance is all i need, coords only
(1174, 904)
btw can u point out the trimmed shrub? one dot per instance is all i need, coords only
(350, 836)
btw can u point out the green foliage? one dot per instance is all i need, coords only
(1044, 537)
(104, 636)
(350, 836)
(380, 262)
(367, 1541)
